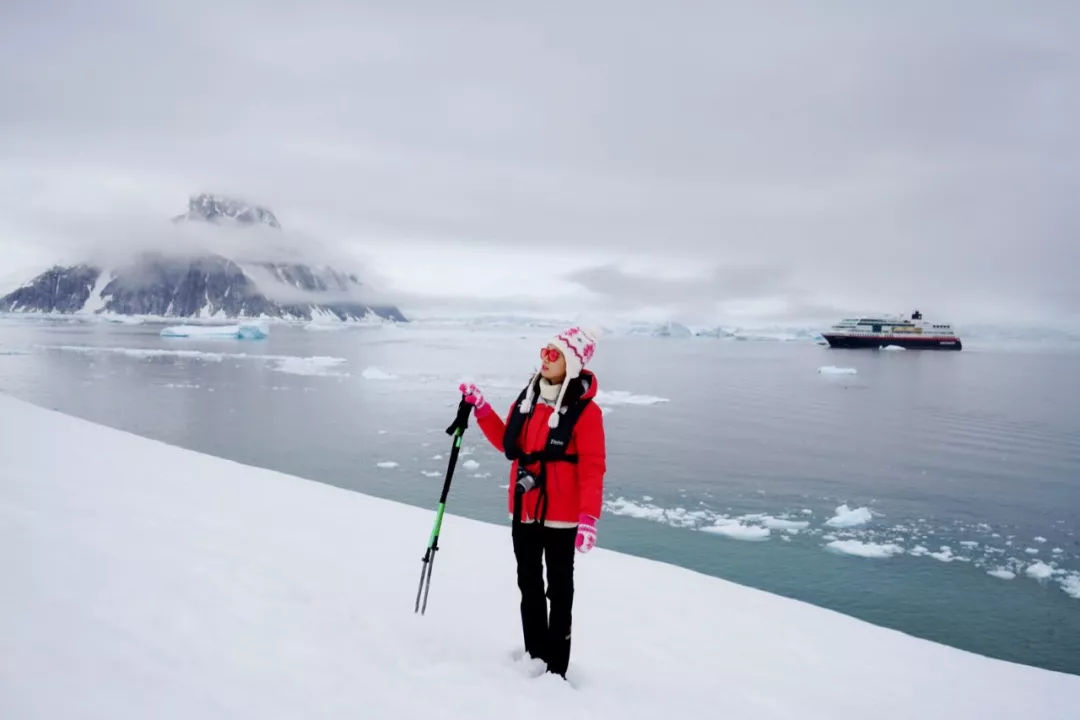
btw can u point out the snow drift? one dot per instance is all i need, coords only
(144, 580)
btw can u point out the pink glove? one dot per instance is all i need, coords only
(474, 397)
(586, 533)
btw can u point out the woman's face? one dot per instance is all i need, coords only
(553, 364)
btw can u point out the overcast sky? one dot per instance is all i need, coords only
(736, 161)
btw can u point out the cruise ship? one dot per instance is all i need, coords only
(877, 332)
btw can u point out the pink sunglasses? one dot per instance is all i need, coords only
(549, 354)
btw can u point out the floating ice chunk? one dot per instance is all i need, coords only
(1001, 573)
(1071, 585)
(774, 523)
(919, 551)
(807, 511)
(944, 555)
(1031, 551)
(893, 348)
(611, 398)
(969, 544)
(387, 465)
(629, 508)
(240, 332)
(738, 531)
(430, 473)
(846, 517)
(1057, 551)
(1039, 539)
(471, 465)
(374, 373)
(676, 517)
(865, 549)
(1039, 570)
(833, 370)
(316, 366)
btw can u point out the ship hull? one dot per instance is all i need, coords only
(910, 343)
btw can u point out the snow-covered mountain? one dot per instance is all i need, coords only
(176, 284)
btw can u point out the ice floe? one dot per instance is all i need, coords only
(846, 517)
(833, 370)
(374, 373)
(612, 398)
(865, 549)
(1039, 570)
(240, 332)
(317, 365)
(738, 531)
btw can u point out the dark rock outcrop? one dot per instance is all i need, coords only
(58, 289)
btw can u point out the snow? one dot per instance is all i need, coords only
(240, 332)
(1001, 573)
(739, 531)
(95, 303)
(374, 373)
(846, 517)
(865, 549)
(833, 370)
(144, 580)
(1039, 570)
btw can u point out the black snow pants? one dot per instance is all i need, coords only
(547, 635)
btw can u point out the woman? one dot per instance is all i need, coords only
(554, 434)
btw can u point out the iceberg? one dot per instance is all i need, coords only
(239, 332)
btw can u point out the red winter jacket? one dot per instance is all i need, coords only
(572, 488)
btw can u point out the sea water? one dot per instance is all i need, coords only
(934, 493)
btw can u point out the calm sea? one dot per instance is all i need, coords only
(728, 457)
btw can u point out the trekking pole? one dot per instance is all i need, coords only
(456, 429)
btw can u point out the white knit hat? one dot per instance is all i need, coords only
(577, 347)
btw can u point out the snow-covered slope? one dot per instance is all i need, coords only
(143, 580)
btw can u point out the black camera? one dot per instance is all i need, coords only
(526, 481)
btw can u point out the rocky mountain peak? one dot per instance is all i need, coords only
(209, 207)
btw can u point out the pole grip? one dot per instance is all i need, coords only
(461, 422)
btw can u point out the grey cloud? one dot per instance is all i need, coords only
(871, 154)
